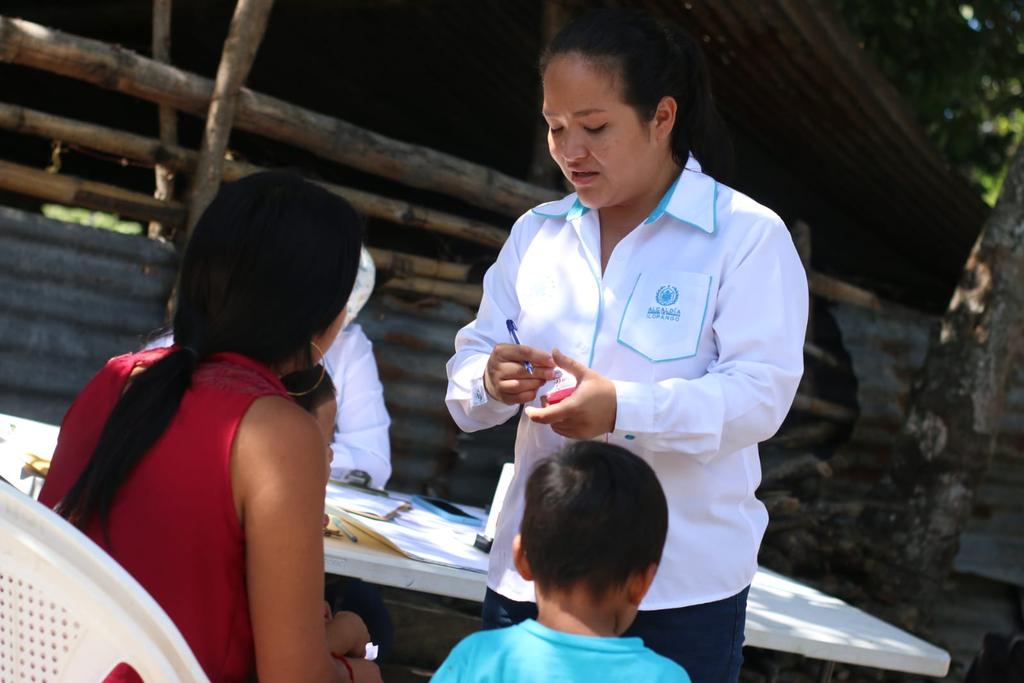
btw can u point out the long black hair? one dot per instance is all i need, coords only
(270, 264)
(654, 59)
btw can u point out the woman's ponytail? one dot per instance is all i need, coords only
(138, 419)
(270, 265)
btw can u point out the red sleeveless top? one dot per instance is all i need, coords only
(173, 524)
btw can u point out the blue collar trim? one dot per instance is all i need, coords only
(662, 206)
(695, 203)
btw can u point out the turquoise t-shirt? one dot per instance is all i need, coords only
(532, 652)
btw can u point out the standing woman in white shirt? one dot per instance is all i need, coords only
(679, 304)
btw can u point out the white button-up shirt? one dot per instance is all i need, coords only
(699, 320)
(361, 430)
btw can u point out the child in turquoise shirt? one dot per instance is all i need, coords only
(591, 538)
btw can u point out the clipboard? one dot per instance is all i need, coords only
(355, 500)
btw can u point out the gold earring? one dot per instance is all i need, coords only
(320, 379)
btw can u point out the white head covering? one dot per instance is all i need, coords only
(361, 290)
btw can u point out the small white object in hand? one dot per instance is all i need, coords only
(371, 651)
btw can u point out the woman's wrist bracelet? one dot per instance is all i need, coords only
(344, 660)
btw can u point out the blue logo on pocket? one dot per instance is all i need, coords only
(667, 295)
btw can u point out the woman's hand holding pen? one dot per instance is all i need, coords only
(507, 379)
(588, 412)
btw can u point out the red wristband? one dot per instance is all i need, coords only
(343, 660)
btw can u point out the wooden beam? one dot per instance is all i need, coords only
(461, 293)
(248, 24)
(180, 160)
(115, 68)
(100, 196)
(168, 117)
(823, 408)
(837, 290)
(407, 265)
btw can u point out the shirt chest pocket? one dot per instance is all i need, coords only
(665, 314)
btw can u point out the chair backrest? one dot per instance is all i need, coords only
(69, 612)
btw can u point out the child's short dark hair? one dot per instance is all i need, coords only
(300, 381)
(595, 513)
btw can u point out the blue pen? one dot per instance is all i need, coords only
(510, 324)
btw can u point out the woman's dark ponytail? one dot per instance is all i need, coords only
(700, 129)
(271, 264)
(654, 60)
(138, 419)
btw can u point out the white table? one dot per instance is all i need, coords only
(781, 614)
(25, 450)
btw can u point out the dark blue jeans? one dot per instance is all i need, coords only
(706, 640)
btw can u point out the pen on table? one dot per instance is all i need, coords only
(340, 523)
(510, 324)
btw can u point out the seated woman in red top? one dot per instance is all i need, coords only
(194, 468)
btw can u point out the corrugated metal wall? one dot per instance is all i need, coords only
(412, 342)
(71, 297)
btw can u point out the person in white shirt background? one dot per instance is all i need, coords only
(679, 305)
(360, 443)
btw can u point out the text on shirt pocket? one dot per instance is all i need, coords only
(664, 316)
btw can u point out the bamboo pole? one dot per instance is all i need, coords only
(29, 44)
(458, 292)
(831, 288)
(180, 160)
(823, 408)
(248, 24)
(168, 117)
(406, 265)
(814, 351)
(806, 436)
(100, 196)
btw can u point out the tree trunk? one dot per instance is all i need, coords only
(955, 404)
(245, 34)
(168, 117)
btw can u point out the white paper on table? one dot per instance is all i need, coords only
(353, 500)
(425, 536)
(24, 442)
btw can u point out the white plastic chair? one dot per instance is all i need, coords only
(70, 613)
